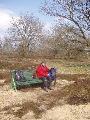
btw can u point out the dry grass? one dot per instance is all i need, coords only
(73, 77)
(7, 65)
(24, 109)
(17, 63)
(79, 92)
(4, 75)
(75, 94)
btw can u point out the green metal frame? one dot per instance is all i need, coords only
(28, 79)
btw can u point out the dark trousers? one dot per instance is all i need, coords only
(46, 82)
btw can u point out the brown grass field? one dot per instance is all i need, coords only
(69, 99)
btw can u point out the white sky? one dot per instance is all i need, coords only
(6, 19)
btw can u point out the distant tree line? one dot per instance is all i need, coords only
(26, 38)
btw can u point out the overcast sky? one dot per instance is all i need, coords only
(13, 8)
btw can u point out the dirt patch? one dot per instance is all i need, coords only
(73, 94)
(17, 63)
(20, 110)
(68, 112)
(77, 93)
(72, 77)
(7, 65)
(6, 76)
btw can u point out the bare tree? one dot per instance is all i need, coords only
(7, 46)
(65, 42)
(26, 32)
(77, 11)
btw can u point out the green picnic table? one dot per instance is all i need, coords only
(28, 81)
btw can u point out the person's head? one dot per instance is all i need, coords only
(43, 63)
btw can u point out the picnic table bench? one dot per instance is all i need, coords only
(28, 81)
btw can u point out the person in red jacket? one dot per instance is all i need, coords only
(42, 73)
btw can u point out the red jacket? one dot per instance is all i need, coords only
(42, 71)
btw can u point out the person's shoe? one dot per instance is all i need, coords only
(50, 88)
(46, 89)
